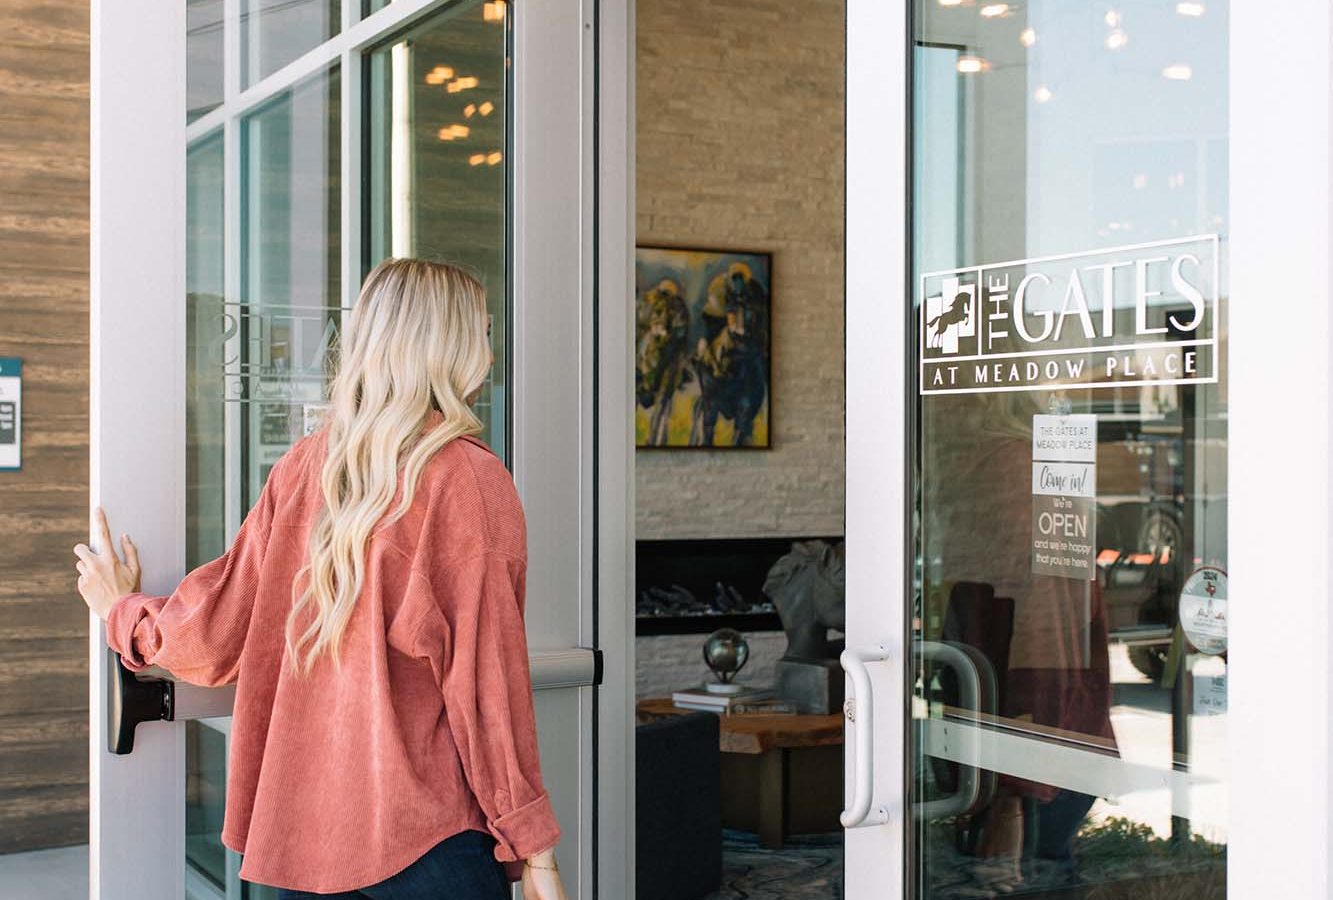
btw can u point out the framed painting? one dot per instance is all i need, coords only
(702, 360)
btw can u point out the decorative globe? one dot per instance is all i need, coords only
(726, 652)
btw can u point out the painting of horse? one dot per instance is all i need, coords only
(702, 360)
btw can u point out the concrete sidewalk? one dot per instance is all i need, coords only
(59, 874)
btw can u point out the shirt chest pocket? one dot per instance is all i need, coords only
(421, 632)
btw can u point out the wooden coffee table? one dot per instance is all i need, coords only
(781, 774)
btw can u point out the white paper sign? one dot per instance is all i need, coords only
(1064, 496)
(1065, 438)
(1210, 695)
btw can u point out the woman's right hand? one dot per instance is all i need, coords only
(541, 880)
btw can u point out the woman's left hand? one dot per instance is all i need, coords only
(103, 577)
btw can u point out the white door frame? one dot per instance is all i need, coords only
(876, 386)
(1281, 665)
(569, 468)
(1280, 528)
(136, 848)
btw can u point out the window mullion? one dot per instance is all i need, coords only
(350, 193)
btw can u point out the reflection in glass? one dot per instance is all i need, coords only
(1069, 733)
(205, 316)
(203, 57)
(437, 171)
(492, 10)
(289, 315)
(275, 32)
(205, 486)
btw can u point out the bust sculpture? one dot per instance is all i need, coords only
(808, 586)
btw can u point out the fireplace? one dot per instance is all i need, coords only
(698, 585)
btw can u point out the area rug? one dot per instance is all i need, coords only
(808, 867)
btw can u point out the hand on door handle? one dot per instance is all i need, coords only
(132, 701)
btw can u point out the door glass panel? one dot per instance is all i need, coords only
(203, 57)
(1069, 666)
(275, 32)
(207, 317)
(437, 166)
(258, 369)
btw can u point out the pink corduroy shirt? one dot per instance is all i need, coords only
(341, 779)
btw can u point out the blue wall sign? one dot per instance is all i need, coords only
(11, 412)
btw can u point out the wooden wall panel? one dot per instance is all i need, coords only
(43, 508)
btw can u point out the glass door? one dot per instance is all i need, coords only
(1068, 643)
(238, 204)
(1044, 711)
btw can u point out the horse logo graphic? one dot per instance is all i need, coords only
(950, 316)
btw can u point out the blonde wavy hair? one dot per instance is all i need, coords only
(417, 341)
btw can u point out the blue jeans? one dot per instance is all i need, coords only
(460, 867)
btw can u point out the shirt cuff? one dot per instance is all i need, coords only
(121, 622)
(525, 831)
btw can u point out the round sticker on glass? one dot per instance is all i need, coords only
(1203, 610)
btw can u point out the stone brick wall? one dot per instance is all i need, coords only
(740, 145)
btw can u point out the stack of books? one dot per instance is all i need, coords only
(709, 701)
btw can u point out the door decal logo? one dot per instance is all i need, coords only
(1143, 314)
(951, 315)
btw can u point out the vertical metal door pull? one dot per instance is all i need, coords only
(859, 709)
(975, 694)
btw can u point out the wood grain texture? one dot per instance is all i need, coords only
(44, 165)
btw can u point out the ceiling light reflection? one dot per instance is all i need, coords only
(453, 132)
(439, 75)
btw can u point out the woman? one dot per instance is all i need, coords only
(370, 613)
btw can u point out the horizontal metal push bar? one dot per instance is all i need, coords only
(157, 697)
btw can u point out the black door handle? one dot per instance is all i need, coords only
(132, 701)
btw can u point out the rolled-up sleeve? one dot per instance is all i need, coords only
(481, 662)
(197, 632)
